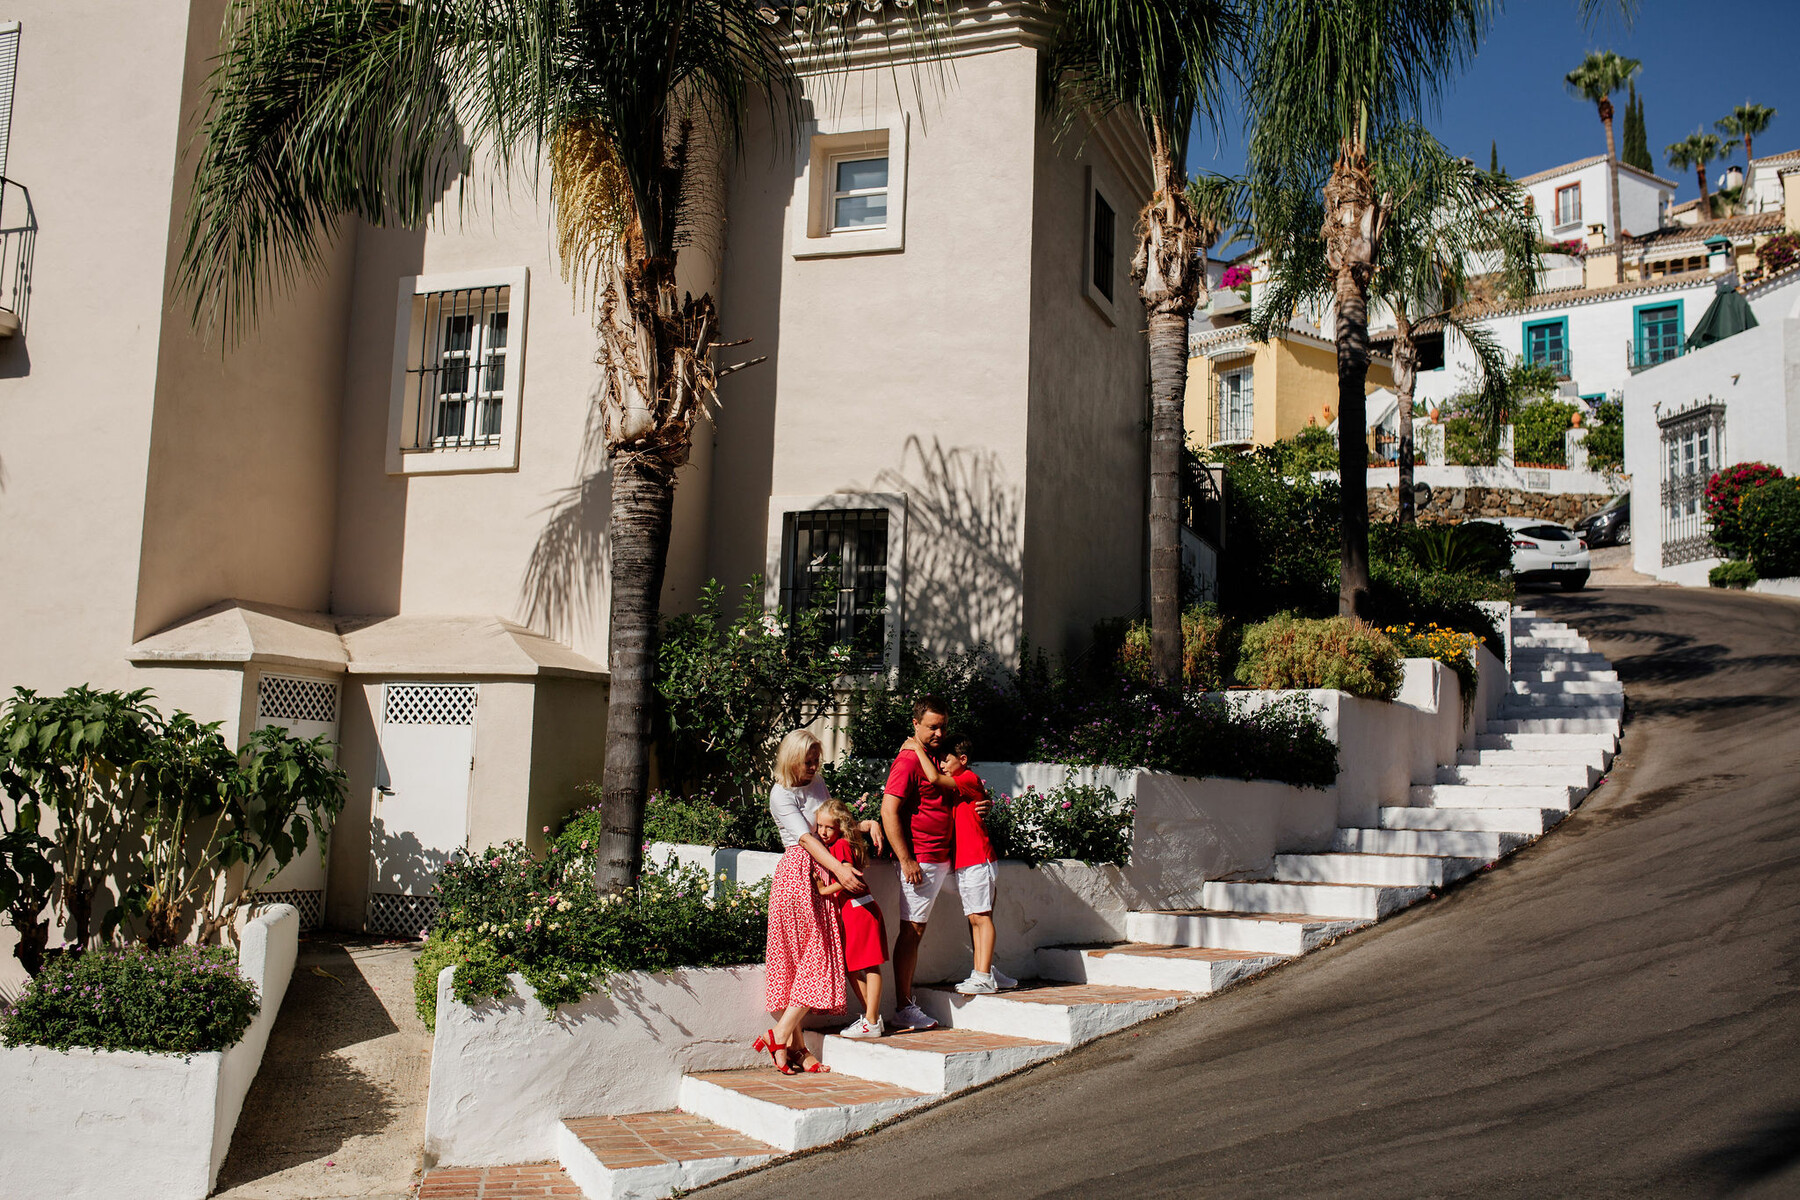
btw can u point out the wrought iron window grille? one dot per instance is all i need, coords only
(456, 385)
(1693, 447)
(846, 551)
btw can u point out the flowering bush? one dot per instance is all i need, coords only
(507, 910)
(693, 820)
(1574, 247)
(1336, 652)
(183, 1000)
(1236, 278)
(1779, 252)
(1083, 821)
(1725, 493)
(1770, 518)
(1452, 647)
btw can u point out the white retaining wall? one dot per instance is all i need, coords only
(102, 1124)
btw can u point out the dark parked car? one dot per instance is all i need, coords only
(1611, 526)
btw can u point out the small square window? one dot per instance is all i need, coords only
(459, 343)
(859, 197)
(851, 196)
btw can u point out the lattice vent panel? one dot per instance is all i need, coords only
(401, 916)
(430, 704)
(288, 698)
(310, 905)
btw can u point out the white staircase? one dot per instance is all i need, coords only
(1551, 741)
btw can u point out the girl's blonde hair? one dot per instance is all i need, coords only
(849, 828)
(790, 756)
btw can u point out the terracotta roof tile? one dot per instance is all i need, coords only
(1744, 224)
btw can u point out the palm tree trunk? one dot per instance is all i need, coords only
(643, 499)
(1706, 211)
(1406, 376)
(1616, 234)
(1352, 234)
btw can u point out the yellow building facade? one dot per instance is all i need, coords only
(1244, 392)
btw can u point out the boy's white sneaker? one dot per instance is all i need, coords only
(978, 984)
(1003, 981)
(911, 1016)
(864, 1028)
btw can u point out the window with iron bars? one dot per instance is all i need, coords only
(457, 390)
(1693, 442)
(840, 555)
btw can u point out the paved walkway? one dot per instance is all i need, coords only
(338, 1109)
(1612, 1011)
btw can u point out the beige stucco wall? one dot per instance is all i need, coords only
(1295, 382)
(568, 747)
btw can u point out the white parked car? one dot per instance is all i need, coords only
(1543, 552)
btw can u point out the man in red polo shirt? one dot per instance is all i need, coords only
(916, 816)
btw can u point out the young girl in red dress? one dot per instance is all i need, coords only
(865, 935)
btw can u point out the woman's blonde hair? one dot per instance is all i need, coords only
(849, 828)
(791, 755)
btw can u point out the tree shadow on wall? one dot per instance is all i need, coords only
(964, 551)
(564, 589)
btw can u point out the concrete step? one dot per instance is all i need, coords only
(654, 1154)
(1571, 674)
(1168, 967)
(1532, 821)
(1271, 933)
(1586, 756)
(1605, 741)
(1567, 687)
(794, 1112)
(1583, 775)
(1485, 845)
(1554, 722)
(1504, 795)
(1314, 899)
(1576, 704)
(931, 1060)
(1071, 1013)
(1380, 870)
(1529, 660)
(1568, 645)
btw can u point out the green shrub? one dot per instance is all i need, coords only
(1726, 492)
(440, 950)
(1470, 442)
(1605, 440)
(182, 1000)
(1281, 534)
(1737, 574)
(690, 820)
(1081, 821)
(1402, 594)
(507, 910)
(1539, 432)
(1471, 548)
(1203, 643)
(1770, 518)
(986, 703)
(1314, 448)
(1295, 652)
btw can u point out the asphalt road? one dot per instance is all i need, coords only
(1612, 1011)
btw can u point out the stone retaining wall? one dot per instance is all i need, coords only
(1460, 504)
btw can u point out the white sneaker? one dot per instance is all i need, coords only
(911, 1016)
(864, 1028)
(1003, 981)
(978, 984)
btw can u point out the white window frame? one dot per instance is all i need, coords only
(895, 505)
(825, 143)
(1107, 307)
(413, 452)
(852, 156)
(1556, 204)
(1229, 429)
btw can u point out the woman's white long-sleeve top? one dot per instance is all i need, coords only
(793, 808)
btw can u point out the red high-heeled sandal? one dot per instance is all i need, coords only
(766, 1041)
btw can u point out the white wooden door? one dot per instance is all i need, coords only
(426, 755)
(305, 708)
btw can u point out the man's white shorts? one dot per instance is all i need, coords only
(916, 899)
(976, 887)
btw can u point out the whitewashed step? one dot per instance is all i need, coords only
(1051, 1012)
(1583, 775)
(1315, 899)
(1571, 645)
(1271, 933)
(644, 1155)
(1169, 967)
(1532, 821)
(1382, 870)
(1554, 724)
(1570, 674)
(1568, 687)
(1525, 661)
(793, 1112)
(1584, 756)
(1535, 704)
(1520, 795)
(1486, 845)
(1605, 741)
(931, 1060)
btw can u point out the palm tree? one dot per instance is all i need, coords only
(1165, 64)
(1696, 150)
(322, 110)
(1330, 79)
(1746, 121)
(1601, 74)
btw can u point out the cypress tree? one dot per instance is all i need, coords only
(1636, 152)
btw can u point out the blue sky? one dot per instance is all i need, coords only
(1701, 58)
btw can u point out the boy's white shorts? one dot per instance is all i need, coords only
(975, 885)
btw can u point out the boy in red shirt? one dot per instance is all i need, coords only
(974, 871)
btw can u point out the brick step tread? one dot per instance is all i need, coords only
(657, 1138)
(517, 1181)
(945, 1040)
(1043, 991)
(828, 1089)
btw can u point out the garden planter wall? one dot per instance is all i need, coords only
(106, 1123)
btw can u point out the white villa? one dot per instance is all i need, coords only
(1571, 199)
(340, 527)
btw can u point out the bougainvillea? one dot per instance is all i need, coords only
(1725, 493)
(1779, 252)
(1235, 277)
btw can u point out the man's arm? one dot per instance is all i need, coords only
(898, 837)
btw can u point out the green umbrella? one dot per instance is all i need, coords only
(1729, 313)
